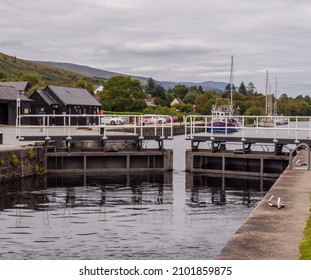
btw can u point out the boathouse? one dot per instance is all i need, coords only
(12, 103)
(60, 100)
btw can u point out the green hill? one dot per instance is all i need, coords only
(38, 75)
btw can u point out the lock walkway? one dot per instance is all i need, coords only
(270, 233)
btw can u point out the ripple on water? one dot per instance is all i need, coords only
(60, 220)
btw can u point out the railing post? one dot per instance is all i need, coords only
(141, 127)
(212, 128)
(243, 124)
(172, 128)
(47, 126)
(190, 128)
(296, 131)
(205, 125)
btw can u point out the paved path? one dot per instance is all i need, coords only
(9, 134)
(9, 138)
(270, 233)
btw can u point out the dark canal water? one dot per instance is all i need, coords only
(125, 216)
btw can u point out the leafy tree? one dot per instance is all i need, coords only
(123, 94)
(32, 79)
(242, 88)
(307, 98)
(190, 97)
(185, 108)
(251, 89)
(170, 97)
(204, 102)
(293, 109)
(227, 92)
(154, 89)
(180, 91)
(284, 96)
(304, 109)
(86, 85)
(239, 103)
(255, 111)
(160, 102)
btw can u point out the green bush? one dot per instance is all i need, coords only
(2, 163)
(31, 154)
(40, 171)
(14, 160)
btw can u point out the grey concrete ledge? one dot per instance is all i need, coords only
(270, 233)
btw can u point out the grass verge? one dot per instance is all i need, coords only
(305, 244)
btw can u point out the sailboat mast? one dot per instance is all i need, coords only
(231, 80)
(276, 96)
(267, 93)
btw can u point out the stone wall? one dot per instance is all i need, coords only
(20, 162)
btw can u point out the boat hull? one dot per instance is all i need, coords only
(222, 127)
(266, 122)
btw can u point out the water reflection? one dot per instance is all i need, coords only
(218, 190)
(128, 216)
(85, 190)
(26, 193)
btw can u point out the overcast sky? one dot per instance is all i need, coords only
(173, 40)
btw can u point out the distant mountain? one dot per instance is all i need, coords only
(105, 75)
(87, 71)
(208, 85)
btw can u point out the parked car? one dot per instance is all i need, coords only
(111, 120)
(151, 119)
(173, 119)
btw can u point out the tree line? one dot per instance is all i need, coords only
(124, 94)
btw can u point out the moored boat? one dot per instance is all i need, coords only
(223, 119)
(267, 121)
(280, 120)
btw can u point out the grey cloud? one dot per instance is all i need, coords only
(167, 39)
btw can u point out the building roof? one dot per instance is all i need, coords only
(97, 88)
(20, 86)
(175, 101)
(11, 93)
(46, 97)
(74, 96)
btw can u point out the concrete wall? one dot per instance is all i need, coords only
(105, 161)
(228, 163)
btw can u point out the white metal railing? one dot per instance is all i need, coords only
(296, 128)
(295, 150)
(48, 126)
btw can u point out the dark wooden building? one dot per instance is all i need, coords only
(65, 101)
(22, 87)
(12, 103)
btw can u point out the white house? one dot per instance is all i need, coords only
(98, 88)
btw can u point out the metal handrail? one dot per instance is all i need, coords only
(103, 125)
(296, 127)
